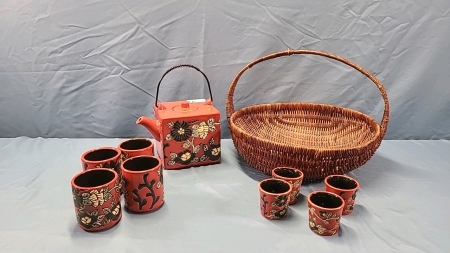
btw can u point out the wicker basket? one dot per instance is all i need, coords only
(319, 139)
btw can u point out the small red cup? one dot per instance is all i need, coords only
(274, 198)
(294, 177)
(325, 212)
(344, 186)
(103, 157)
(96, 196)
(136, 147)
(143, 184)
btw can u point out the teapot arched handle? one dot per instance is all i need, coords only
(179, 66)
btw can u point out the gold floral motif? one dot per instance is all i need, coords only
(215, 151)
(158, 185)
(96, 198)
(186, 156)
(116, 210)
(86, 220)
(201, 130)
(278, 214)
(211, 126)
(321, 229)
(324, 216)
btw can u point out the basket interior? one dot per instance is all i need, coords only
(307, 125)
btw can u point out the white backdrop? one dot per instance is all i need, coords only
(89, 68)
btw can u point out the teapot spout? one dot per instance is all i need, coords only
(151, 125)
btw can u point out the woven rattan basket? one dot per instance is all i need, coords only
(319, 139)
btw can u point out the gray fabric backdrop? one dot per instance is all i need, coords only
(89, 68)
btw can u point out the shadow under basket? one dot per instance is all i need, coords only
(318, 139)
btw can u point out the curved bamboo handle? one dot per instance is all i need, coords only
(179, 66)
(385, 119)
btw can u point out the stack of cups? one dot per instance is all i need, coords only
(130, 169)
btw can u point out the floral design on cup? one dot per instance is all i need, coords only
(123, 157)
(344, 186)
(281, 204)
(324, 212)
(274, 198)
(325, 218)
(349, 204)
(96, 208)
(276, 213)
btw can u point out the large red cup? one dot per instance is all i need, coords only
(96, 196)
(325, 212)
(143, 184)
(103, 157)
(136, 147)
(344, 186)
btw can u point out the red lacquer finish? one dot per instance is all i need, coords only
(188, 137)
(325, 212)
(344, 186)
(187, 132)
(294, 177)
(136, 147)
(143, 181)
(96, 196)
(274, 198)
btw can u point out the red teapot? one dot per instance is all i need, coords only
(187, 133)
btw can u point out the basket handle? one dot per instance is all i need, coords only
(179, 66)
(385, 119)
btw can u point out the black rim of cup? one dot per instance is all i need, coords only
(275, 186)
(100, 154)
(136, 144)
(141, 163)
(326, 200)
(287, 172)
(95, 178)
(342, 182)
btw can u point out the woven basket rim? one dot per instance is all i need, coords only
(290, 147)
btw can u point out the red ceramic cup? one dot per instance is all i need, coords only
(274, 198)
(143, 184)
(325, 212)
(96, 196)
(344, 186)
(294, 177)
(136, 147)
(103, 157)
